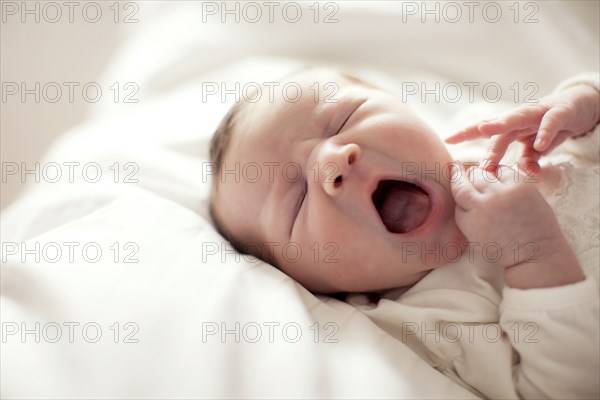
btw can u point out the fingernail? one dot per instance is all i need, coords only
(539, 142)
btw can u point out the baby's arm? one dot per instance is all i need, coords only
(570, 112)
(549, 310)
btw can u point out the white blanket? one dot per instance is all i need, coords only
(166, 310)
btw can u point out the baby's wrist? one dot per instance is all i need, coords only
(558, 267)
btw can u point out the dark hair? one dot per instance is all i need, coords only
(218, 147)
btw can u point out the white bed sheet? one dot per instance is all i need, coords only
(179, 290)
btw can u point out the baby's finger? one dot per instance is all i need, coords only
(552, 122)
(496, 150)
(558, 140)
(462, 190)
(521, 118)
(529, 161)
(469, 133)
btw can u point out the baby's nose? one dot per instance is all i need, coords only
(337, 163)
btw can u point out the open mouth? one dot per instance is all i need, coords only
(402, 206)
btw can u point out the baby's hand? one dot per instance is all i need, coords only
(502, 211)
(540, 127)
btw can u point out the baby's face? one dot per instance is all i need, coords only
(352, 195)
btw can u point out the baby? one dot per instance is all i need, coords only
(355, 193)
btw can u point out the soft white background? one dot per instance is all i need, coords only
(80, 52)
(175, 287)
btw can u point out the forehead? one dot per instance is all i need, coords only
(290, 97)
(260, 152)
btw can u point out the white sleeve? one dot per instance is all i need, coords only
(588, 78)
(556, 333)
(586, 146)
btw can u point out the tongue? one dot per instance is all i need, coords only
(404, 208)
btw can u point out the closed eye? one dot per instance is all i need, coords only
(299, 204)
(344, 124)
(349, 116)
